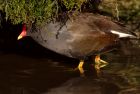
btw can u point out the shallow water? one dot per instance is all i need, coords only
(30, 69)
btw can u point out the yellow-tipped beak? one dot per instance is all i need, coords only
(19, 37)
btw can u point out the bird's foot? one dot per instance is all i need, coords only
(80, 68)
(99, 63)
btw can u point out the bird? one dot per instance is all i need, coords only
(82, 35)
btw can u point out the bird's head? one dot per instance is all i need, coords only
(23, 33)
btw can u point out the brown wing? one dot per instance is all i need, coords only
(92, 43)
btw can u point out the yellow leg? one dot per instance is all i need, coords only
(80, 66)
(99, 63)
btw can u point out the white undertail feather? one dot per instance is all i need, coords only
(121, 35)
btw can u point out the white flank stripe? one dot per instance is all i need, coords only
(121, 35)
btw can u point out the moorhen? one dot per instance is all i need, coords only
(83, 35)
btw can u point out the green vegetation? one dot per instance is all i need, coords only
(25, 11)
(30, 10)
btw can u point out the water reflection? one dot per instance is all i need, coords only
(34, 70)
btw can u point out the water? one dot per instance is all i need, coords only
(30, 69)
